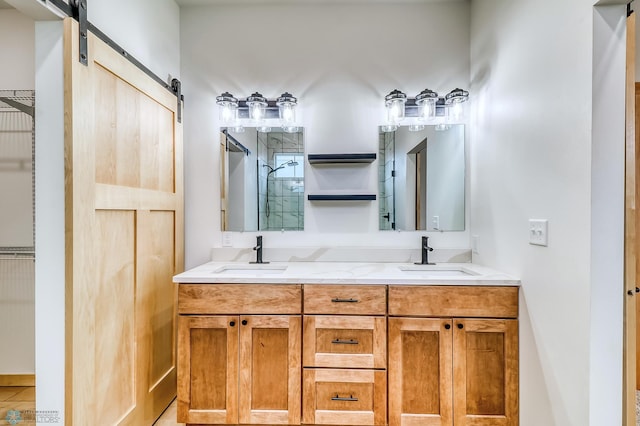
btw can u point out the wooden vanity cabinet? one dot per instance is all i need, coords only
(239, 369)
(459, 367)
(397, 355)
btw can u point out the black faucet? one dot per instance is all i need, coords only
(258, 249)
(425, 252)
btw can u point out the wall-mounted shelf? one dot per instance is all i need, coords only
(342, 197)
(341, 158)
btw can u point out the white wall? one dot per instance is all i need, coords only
(532, 157)
(148, 29)
(17, 300)
(340, 60)
(16, 50)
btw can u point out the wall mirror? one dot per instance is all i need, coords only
(262, 180)
(421, 178)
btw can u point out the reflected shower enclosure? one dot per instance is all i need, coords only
(280, 181)
(262, 180)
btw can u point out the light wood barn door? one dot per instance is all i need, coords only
(124, 238)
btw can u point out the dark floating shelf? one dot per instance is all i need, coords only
(341, 158)
(342, 197)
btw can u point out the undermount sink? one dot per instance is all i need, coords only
(438, 270)
(251, 269)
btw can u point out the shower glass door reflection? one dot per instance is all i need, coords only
(280, 181)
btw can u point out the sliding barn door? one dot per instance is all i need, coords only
(124, 238)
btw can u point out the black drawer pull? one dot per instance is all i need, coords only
(350, 300)
(345, 342)
(342, 398)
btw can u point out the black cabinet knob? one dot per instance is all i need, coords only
(232, 323)
(244, 322)
(447, 326)
(460, 326)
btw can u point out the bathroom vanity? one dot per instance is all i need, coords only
(347, 344)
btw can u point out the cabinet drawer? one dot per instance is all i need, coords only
(345, 299)
(453, 301)
(239, 299)
(344, 397)
(345, 342)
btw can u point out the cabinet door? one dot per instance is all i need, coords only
(208, 365)
(420, 378)
(270, 369)
(485, 367)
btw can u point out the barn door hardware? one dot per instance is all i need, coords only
(79, 9)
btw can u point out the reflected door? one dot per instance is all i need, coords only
(386, 174)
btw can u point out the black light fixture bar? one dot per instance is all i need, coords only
(272, 110)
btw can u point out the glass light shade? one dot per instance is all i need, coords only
(237, 128)
(455, 112)
(453, 101)
(287, 109)
(228, 108)
(416, 127)
(394, 102)
(257, 105)
(387, 128)
(264, 129)
(426, 102)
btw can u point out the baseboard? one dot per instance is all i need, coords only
(17, 379)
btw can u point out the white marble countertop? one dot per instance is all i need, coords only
(345, 273)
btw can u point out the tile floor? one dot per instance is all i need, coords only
(19, 398)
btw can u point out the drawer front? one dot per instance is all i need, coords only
(345, 342)
(345, 299)
(344, 397)
(243, 299)
(453, 301)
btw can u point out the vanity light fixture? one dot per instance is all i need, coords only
(425, 107)
(228, 108)
(235, 114)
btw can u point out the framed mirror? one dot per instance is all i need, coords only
(262, 180)
(421, 179)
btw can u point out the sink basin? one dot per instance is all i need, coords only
(250, 269)
(438, 270)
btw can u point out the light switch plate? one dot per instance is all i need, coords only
(539, 232)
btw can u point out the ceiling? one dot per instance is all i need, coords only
(4, 5)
